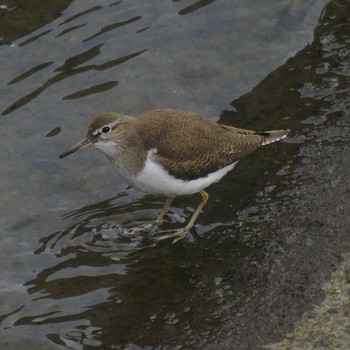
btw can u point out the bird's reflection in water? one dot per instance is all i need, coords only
(106, 288)
(101, 287)
(98, 226)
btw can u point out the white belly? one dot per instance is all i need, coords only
(154, 179)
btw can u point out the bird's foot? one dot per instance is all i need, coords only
(150, 228)
(178, 234)
(160, 222)
(135, 231)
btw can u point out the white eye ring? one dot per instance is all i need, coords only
(106, 129)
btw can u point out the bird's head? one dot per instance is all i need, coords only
(104, 133)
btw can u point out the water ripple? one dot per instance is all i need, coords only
(64, 75)
(113, 26)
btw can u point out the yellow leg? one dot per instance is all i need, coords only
(181, 233)
(194, 217)
(151, 227)
(165, 209)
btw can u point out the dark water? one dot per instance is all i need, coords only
(273, 230)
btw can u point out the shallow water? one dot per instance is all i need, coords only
(70, 277)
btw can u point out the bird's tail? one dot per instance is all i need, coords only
(272, 136)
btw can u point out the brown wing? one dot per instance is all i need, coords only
(190, 146)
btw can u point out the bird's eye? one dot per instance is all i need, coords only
(106, 129)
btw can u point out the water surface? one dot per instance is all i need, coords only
(255, 261)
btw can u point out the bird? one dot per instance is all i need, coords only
(171, 152)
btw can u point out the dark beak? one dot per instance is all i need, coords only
(85, 143)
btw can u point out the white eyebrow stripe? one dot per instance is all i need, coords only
(111, 125)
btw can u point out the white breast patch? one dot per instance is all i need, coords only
(154, 179)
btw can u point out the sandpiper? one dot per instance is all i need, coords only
(171, 152)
